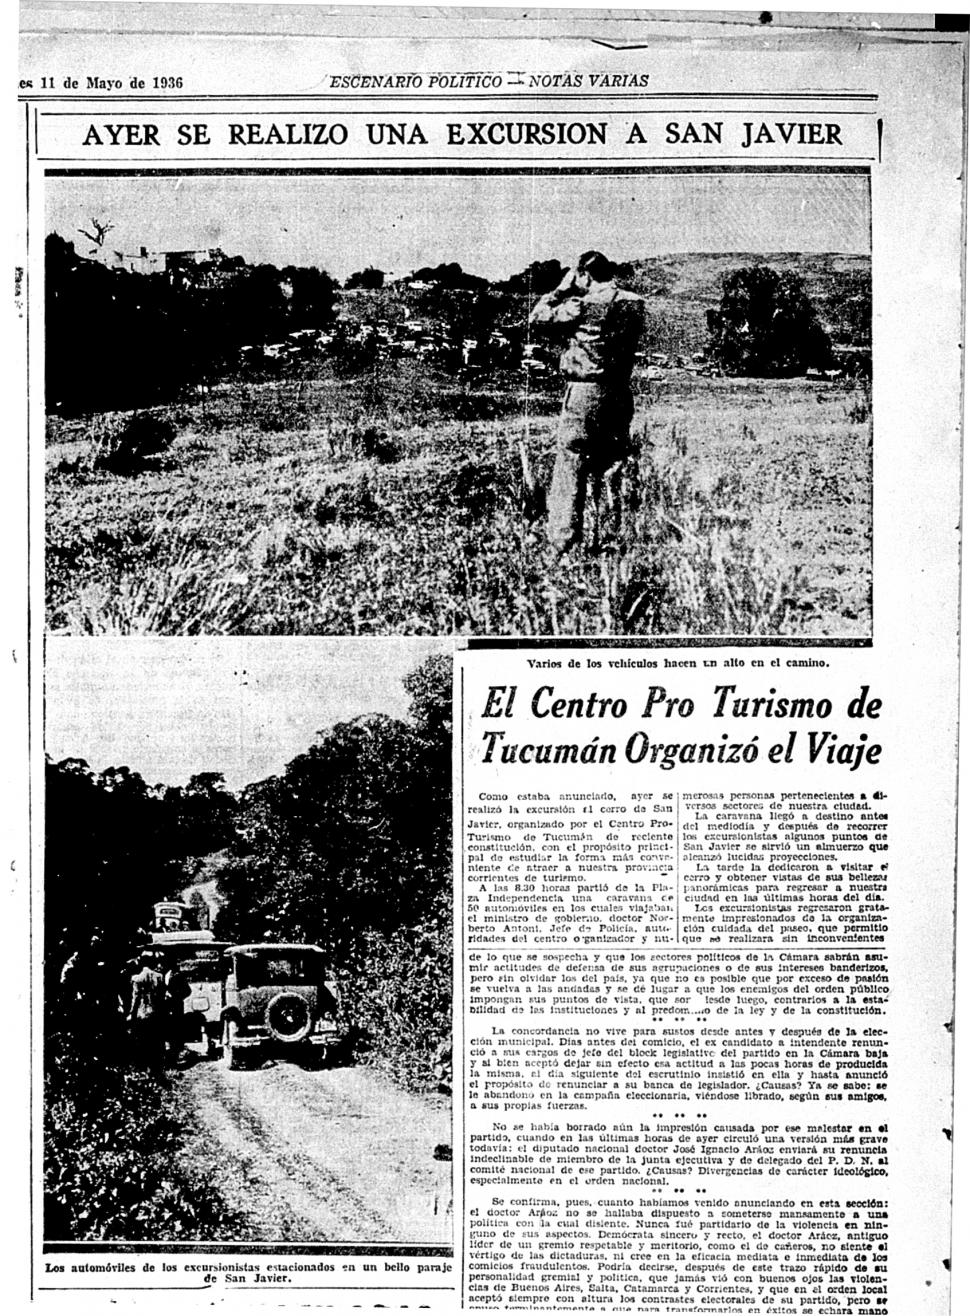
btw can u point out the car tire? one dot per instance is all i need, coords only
(231, 1053)
(288, 1018)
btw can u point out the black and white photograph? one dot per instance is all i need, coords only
(485, 649)
(551, 402)
(248, 944)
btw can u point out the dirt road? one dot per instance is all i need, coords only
(330, 1155)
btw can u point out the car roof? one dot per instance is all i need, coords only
(249, 946)
(185, 939)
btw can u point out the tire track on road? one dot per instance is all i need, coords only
(318, 1156)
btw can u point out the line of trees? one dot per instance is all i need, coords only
(353, 837)
(117, 340)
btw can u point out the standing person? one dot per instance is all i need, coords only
(177, 989)
(91, 1004)
(593, 441)
(146, 1014)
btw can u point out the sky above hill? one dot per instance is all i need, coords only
(493, 225)
(170, 708)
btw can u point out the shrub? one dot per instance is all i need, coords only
(472, 489)
(479, 406)
(860, 412)
(396, 998)
(123, 446)
(111, 1158)
(373, 443)
(353, 501)
(767, 325)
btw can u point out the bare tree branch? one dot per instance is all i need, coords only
(101, 231)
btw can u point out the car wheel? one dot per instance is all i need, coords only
(288, 1018)
(230, 1051)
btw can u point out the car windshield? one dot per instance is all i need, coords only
(279, 968)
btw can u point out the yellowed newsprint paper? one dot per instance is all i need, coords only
(494, 524)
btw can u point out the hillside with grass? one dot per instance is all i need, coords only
(329, 505)
(680, 289)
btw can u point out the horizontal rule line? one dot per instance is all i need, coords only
(477, 170)
(652, 161)
(537, 95)
(428, 114)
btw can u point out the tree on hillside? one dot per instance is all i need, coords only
(102, 227)
(449, 274)
(767, 325)
(109, 855)
(369, 278)
(472, 316)
(312, 296)
(132, 319)
(345, 840)
(155, 336)
(204, 812)
(429, 688)
(197, 902)
(537, 279)
(115, 845)
(354, 836)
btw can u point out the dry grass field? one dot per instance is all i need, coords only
(394, 503)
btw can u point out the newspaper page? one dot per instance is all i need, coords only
(494, 500)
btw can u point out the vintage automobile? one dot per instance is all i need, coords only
(276, 998)
(174, 916)
(201, 960)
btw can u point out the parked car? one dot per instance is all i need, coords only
(200, 958)
(276, 998)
